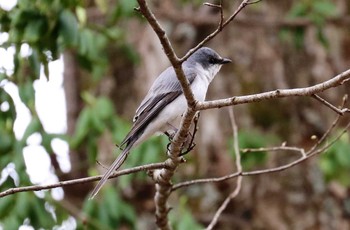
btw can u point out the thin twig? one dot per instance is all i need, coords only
(329, 105)
(102, 165)
(212, 5)
(219, 29)
(262, 171)
(82, 180)
(278, 148)
(169, 12)
(235, 192)
(220, 7)
(221, 15)
(329, 130)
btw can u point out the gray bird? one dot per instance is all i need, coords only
(165, 102)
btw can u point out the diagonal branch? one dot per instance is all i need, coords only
(329, 105)
(169, 51)
(163, 177)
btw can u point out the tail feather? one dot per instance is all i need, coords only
(116, 165)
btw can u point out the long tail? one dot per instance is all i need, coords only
(116, 164)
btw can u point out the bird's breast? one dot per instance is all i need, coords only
(201, 83)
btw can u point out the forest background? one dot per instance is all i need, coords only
(110, 57)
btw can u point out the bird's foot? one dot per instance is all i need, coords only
(189, 144)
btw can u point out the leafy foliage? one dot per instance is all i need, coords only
(251, 140)
(317, 11)
(114, 214)
(182, 213)
(335, 163)
(50, 28)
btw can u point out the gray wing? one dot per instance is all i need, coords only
(164, 90)
(167, 82)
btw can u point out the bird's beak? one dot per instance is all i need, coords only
(225, 61)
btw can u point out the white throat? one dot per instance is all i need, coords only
(209, 73)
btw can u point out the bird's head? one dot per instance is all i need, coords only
(207, 57)
(208, 60)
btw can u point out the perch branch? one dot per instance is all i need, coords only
(169, 51)
(82, 180)
(162, 177)
(278, 93)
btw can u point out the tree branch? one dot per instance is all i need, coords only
(169, 12)
(309, 154)
(329, 105)
(283, 147)
(82, 180)
(164, 171)
(278, 93)
(219, 28)
(169, 51)
(235, 192)
(162, 177)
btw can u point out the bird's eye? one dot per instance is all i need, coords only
(212, 60)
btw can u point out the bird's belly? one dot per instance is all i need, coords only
(199, 88)
(171, 115)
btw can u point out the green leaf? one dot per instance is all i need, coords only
(11, 222)
(92, 149)
(102, 5)
(299, 9)
(46, 142)
(252, 140)
(324, 8)
(328, 167)
(112, 202)
(23, 204)
(97, 123)
(26, 93)
(6, 142)
(34, 30)
(335, 163)
(82, 128)
(125, 8)
(68, 28)
(33, 127)
(35, 63)
(343, 154)
(81, 14)
(104, 108)
(181, 218)
(6, 206)
(39, 216)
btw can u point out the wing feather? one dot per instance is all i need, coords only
(164, 90)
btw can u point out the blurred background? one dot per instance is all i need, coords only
(72, 73)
